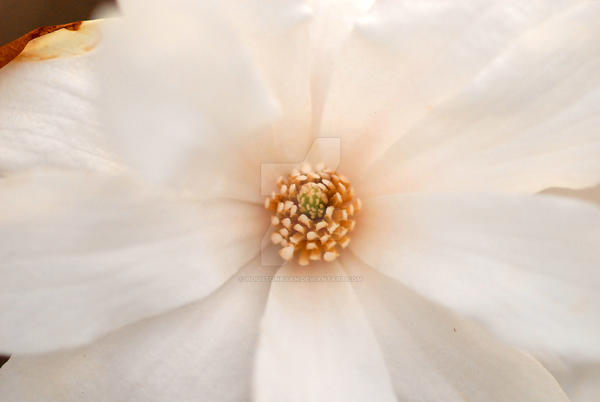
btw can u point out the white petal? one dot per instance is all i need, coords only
(404, 57)
(48, 105)
(591, 194)
(525, 123)
(294, 43)
(315, 342)
(203, 89)
(276, 33)
(433, 355)
(581, 383)
(525, 266)
(322, 150)
(202, 352)
(330, 29)
(104, 252)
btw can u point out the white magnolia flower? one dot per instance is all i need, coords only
(132, 209)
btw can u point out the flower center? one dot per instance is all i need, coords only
(313, 214)
(312, 200)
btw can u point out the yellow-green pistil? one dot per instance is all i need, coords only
(312, 201)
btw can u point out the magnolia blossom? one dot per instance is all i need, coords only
(138, 259)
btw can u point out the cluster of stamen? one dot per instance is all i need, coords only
(313, 214)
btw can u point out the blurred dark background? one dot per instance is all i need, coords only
(17, 17)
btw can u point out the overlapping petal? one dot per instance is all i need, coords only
(434, 355)
(581, 383)
(84, 254)
(524, 266)
(203, 351)
(316, 343)
(404, 57)
(526, 122)
(48, 107)
(207, 98)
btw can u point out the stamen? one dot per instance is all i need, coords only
(287, 252)
(313, 214)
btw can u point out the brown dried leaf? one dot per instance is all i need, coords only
(14, 48)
